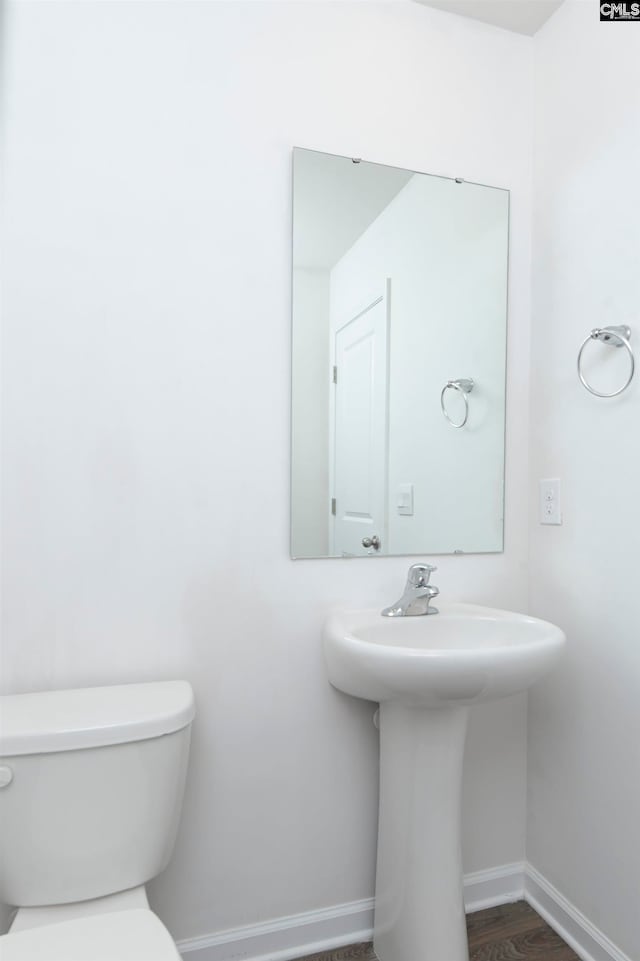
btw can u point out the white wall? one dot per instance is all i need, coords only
(146, 407)
(443, 246)
(584, 791)
(310, 382)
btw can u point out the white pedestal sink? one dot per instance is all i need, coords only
(425, 672)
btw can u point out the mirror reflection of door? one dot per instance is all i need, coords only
(359, 432)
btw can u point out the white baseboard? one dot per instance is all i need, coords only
(587, 941)
(486, 889)
(286, 938)
(293, 937)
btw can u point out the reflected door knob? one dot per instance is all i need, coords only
(371, 542)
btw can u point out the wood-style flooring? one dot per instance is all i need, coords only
(510, 932)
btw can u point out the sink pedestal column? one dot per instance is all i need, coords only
(419, 914)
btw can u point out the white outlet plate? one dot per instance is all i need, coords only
(549, 507)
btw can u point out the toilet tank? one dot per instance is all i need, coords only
(91, 786)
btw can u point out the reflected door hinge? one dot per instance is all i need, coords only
(335, 375)
(333, 506)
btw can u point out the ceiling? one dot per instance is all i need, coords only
(521, 16)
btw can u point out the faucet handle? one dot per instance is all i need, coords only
(419, 574)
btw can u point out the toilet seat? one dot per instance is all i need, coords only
(134, 935)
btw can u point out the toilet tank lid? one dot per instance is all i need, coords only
(50, 721)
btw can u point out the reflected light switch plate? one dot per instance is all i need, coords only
(404, 499)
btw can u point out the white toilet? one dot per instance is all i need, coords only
(91, 785)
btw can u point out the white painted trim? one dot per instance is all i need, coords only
(287, 938)
(587, 941)
(300, 934)
(501, 885)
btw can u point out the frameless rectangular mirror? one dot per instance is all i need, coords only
(399, 357)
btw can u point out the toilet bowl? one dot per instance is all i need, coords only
(136, 935)
(91, 786)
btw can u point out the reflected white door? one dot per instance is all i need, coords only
(360, 430)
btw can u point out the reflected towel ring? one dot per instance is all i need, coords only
(464, 387)
(612, 337)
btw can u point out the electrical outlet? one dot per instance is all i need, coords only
(549, 502)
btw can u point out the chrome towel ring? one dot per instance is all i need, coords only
(612, 337)
(464, 388)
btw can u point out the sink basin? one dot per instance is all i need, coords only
(426, 672)
(465, 654)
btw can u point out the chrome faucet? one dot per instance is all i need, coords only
(417, 596)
